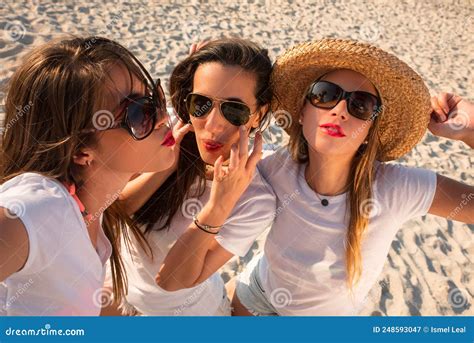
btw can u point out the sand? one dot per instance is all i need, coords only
(429, 270)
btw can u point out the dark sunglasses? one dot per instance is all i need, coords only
(235, 112)
(362, 105)
(140, 115)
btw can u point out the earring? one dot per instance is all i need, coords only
(300, 121)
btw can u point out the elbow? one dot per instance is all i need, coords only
(170, 284)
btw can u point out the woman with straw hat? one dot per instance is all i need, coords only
(350, 107)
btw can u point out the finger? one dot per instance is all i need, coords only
(179, 124)
(201, 44)
(218, 168)
(181, 132)
(243, 144)
(454, 101)
(192, 49)
(437, 110)
(256, 153)
(234, 157)
(443, 99)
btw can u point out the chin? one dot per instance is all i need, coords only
(210, 157)
(161, 162)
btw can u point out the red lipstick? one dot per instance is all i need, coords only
(211, 145)
(333, 130)
(169, 139)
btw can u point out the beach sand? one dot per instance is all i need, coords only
(429, 270)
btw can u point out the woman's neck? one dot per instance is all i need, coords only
(98, 192)
(328, 175)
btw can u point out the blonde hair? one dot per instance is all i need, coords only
(49, 108)
(361, 176)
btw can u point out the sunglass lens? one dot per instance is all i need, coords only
(324, 95)
(236, 113)
(198, 105)
(362, 105)
(141, 117)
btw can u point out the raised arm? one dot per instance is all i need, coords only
(137, 192)
(453, 117)
(14, 245)
(453, 200)
(196, 255)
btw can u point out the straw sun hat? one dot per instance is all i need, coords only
(405, 99)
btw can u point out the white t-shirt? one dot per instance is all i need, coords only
(250, 217)
(303, 265)
(64, 273)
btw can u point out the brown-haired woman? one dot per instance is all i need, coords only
(82, 116)
(221, 94)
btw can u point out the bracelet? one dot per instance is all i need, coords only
(214, 230)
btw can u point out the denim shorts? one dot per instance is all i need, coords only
(251, 293)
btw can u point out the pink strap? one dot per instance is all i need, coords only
(71, 188)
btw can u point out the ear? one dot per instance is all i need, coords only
(84, 157)
(258, 118)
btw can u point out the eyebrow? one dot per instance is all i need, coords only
(235, 99)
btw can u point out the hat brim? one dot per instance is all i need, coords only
(405, 98)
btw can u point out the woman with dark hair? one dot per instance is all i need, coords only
(221, 94)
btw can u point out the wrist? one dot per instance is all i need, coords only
(213, 214)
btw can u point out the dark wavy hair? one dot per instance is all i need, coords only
(169, 197)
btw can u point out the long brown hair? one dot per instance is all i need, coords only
(167, 200)
(49, 110)
(361, 177)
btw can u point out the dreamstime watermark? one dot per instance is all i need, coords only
(283, 119)
(370, 31)
(458, 298)
(466, 198)
(52, 188)
(287, 199)
(370, 208)
(111, 198)
(459, 120)
(377, 111)
(14, 31)
(191, 207)
(46, 331)
(189, 300)
(14, 208)
(103, 297)
(19, 292)
(103, 120)
(20, 112)
(280, 297)
(106, 31)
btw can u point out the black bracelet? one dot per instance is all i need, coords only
(213, 230)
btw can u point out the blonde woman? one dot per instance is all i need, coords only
(353, 107)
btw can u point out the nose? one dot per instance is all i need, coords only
(340, 110)
(215, 121)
